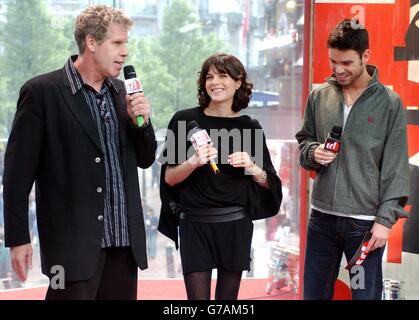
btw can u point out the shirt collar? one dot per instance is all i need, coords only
(76, 81)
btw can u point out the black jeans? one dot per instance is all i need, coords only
(328, 237)
(115, 278)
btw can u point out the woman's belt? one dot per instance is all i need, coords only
(212, 215)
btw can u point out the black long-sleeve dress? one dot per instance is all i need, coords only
(204, 246)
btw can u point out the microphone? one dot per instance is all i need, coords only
(361, 253)
(332, 143)
(200, 137)
(133, 85)
(333, 139)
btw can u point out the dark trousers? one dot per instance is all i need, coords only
(115, 278)
(328, 237)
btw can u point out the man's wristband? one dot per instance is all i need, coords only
(311, 152)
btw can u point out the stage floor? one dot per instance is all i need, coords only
(168, 289)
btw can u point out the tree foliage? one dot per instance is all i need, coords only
(170, 63)
(155, 79)
(32, 42)
(31, 45)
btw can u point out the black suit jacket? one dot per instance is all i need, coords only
(54, 142)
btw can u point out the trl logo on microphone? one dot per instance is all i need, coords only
(332, 145)
(199, 138)
(133, 85)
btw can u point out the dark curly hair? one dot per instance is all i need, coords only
(228, 64)
(349, 36)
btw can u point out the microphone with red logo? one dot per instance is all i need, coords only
(133, 85)
(332, 143)
(361, 253)
(333, 139)
(199, 138)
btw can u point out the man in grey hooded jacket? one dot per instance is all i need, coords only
(360, 190)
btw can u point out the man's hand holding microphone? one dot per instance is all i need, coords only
(138, 107)
(324, 156)
(325, 153)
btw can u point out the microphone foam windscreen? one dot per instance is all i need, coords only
(129, 72)
(192, 125)
(337, 130)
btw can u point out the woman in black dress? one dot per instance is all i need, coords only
(214, 212)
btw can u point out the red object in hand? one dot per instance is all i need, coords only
(360, 254)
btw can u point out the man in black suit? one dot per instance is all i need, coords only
(75, 136)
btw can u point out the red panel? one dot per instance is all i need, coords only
(342, 291)
(395, 242)
(413, 138)
(387, 25)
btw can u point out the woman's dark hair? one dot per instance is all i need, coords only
(228, 64)
(349, 35)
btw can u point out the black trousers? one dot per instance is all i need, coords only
(115, 278)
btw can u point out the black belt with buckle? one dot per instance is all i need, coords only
(213, 215)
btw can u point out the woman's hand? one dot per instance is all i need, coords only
(203, 154)
(241, 160)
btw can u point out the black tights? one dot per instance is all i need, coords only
(198, 285)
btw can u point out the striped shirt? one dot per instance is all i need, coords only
(103, 112)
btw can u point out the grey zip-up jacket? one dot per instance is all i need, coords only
(370, 175)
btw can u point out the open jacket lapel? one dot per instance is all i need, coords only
(78, 106)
